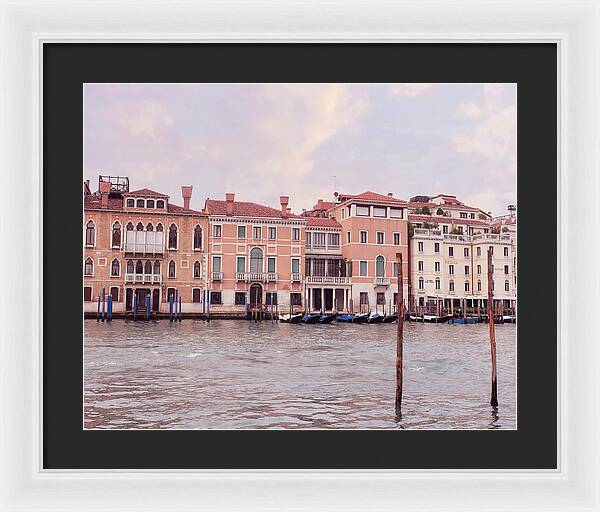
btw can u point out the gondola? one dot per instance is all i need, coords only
(464, 321)
(375, 318)
(361, 319)
(388, 319)
(345, 318)
(311, 318)
(327, 319)
(509, 319)
(291, 319)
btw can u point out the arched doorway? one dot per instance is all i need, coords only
(255, 294)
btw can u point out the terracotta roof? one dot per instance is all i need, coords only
(173, 208)
(244, 209)
(146, 192)
(323, 205)
(92, 202)
(322, 222)
(373, 196)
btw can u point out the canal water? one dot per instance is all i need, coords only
(235, 374)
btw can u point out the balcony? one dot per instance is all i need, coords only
(381, 281)
(327, 280)
(420, 232)
(322, 248)
(457, 238)
(265, 277)
(497, 238)
(296, 277)
(143, 278)
(144, 242)
(217, 276)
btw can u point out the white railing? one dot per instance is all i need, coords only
(143, 278)
(427, 232)
(144, 242)
(458, 238)
(257, 276)
(296, 277)
(321, 247)
(327, 280)
(217, 276)
(381, 281)
(502, 238)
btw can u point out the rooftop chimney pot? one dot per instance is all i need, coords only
(186, 192)
(229, 198)
(284, 200)
(391, 194)
(104, 191)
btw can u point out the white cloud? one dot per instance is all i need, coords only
(469, 109)
(410, 89)
(143, 118)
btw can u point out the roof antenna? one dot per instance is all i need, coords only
(334, 183)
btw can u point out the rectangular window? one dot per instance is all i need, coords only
(216, 264)
(364, 298)
(420, 246)
(87, 294)
(240, 298)
(478, 251)
(318, 267)
(241, 232)
(272, 233)
(271, 298)
(466, 286)
(479, 269)
(436, 247)
(362, 271)
(437, 284)
(380, 237)
(451, 286)
(380, 298)
(466, 252)
(333, 239)
(363, 237)
(395, 269)
(466, 270)
(295, 265)
(257, 232)
(215, 298)
(348, 237)
(378, 211)
(196, 293)
(506, 252)
(318, 240)
(396, 238)
(478, 286)
(463, 215)
(445, 229)
(437, 266)
(472, 215)
(492, 249)
(451, 251)
(420, 266)
(241, 264)
(396, 213)
(296, 299)
(295, 233)
(363, 211)
(450, 269)
(114, 292)
(271, 265)
(217, 230)
(506, 269)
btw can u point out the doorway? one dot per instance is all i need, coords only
(155, 299)
(255, 294)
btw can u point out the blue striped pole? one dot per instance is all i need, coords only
(98, 313)
(109, 313)
(180, 308)
(208, 306)
(170, 308)
(134, 306)
(147, 307)
(103, 303)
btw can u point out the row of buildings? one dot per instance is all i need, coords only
(339, 256)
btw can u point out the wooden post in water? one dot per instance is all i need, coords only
(399, 337)
(494, 398)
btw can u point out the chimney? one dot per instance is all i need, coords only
(320, 201)
(229, 197)
(390, 194)
(186, 192)
(104, 191)
(284, 200)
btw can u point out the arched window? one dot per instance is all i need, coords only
(379, 266)
(451, 286)
(173, 237)
(159, 227)
(129, 226)
(160, 204)
(90, 233)
(115, 268)
(130, 267)
(140, 203)
(157, 267)
(130, 203)
(116, 235)
(197, 238)
(506, 286)
(88, 268)
(196, 269)
(478, 285)
(421, 283)
(150, 203)
(466, 286)
(148, 267)
(171, 268)
(437, 283)
(139, 227)
(149, 227)
(256, 260)
(139, 267)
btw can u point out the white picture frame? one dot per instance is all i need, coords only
(573, 25)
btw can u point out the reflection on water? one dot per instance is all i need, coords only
(240, 374)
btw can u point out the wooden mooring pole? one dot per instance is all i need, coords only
(490, 308)
(399, 337)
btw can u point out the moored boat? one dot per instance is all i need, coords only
(509, 319)
(388, 319)
(311, 318)
(345, 318)
(375, 318)
(327, 319)
(463, 321)
(361, 319)
(291, 319)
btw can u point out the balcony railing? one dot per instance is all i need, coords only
(264, 277)
(322, 247)
(501, 238)
(296, 277)
(381, 281)
(144, 242)
(427, 232)
(143, 278)
(217, 276)
(327, 280)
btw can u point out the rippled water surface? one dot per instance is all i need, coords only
(232, 374)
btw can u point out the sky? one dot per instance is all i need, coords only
(306, 141)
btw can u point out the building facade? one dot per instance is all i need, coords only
(234, 256)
